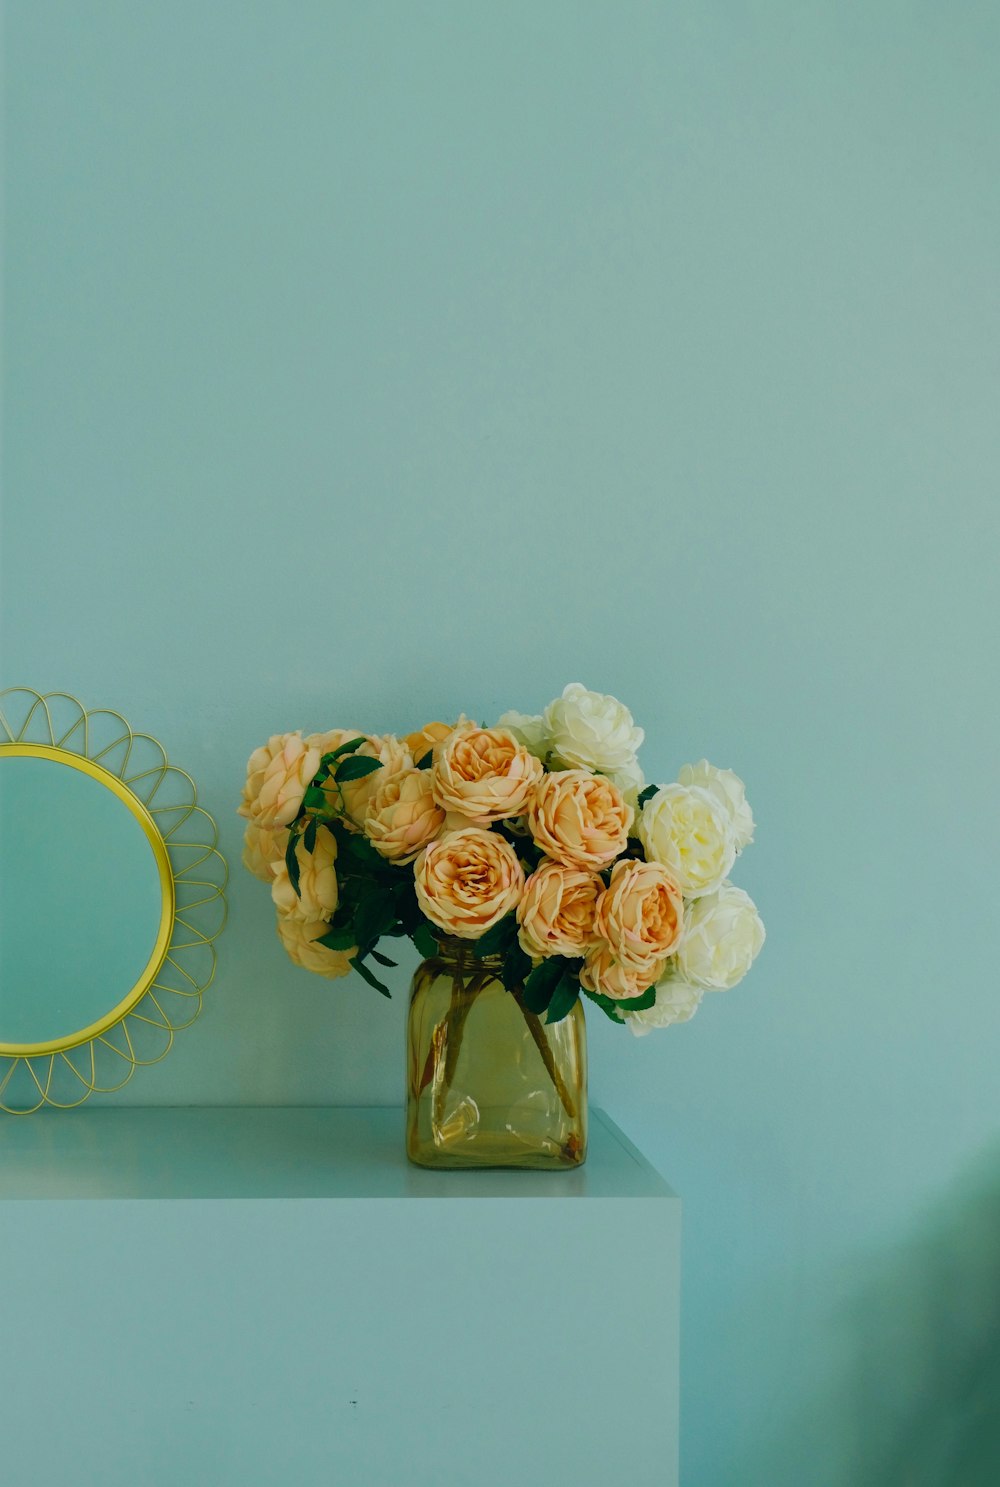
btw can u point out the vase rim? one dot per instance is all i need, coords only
(454, 947)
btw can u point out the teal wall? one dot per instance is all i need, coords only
(369, 363)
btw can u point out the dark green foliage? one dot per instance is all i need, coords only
(337, 939)
(496, 940)
(292, 861)
(516, 967)
(616, 1009)
(540, 985)
(564, 998)
(423, 937)
(367, 974)
(355, 767)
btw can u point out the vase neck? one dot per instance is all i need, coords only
(459, 955)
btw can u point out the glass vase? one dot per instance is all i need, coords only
(489, 1084)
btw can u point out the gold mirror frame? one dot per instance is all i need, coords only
(139, 1029)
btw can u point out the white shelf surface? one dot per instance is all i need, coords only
(213, 1296)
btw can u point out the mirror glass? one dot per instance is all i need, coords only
(81, 899)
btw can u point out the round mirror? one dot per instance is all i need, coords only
(112, 892)
(86, 899)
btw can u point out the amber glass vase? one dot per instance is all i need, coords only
(489, 1084)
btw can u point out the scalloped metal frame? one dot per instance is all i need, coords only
(184, 839)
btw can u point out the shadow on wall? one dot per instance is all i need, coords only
(926, 1378)
(912, 1397)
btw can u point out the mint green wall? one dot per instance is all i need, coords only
(369, 363)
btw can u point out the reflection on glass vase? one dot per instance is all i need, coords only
(488, 1083)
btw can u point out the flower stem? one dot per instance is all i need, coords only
(537, 1032)
(446, 1042)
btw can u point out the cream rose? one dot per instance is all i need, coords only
(391, 753)
(264, 848)
(485, 774)
(556, 914)
(727, 788)
(579, 819)
(299, 940)
(468, 881)
(317, 895)
(529, 729)
(640, 914)
(606, 974)
(676, 1001)
(688, 829)
(278, 774)
(722, 937)
(403, 816)
(588, 730)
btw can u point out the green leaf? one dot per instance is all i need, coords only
(310, 837)
(383, 960)
(647, 794)
(564, 999)
(423, 938)
(368, 975)
(427, 760)
(541, 984)
(338, 939)
(616, 1009)
(345, 748)
(639, 1003)
(361, 854)
(516, 967)
(355, 768)
(373, 916)
(496, 940)
(292, 862)
(607, 1005)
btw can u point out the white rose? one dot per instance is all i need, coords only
(723, 934)
(529, 729)
(688, 829)
(588, 730)
(676, 1001)
(728, 788)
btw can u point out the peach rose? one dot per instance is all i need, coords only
(485, 774)
(403, 816)
(429, 737)
(317, 895)
(605, 973)
(556, 914)
(395, 759)
(580, 819)
(299, 940)
(332, 739)
(640, 914)
(262, 847)
(468, 881)
(278, 774)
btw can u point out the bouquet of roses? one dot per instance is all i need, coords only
(536, 840)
